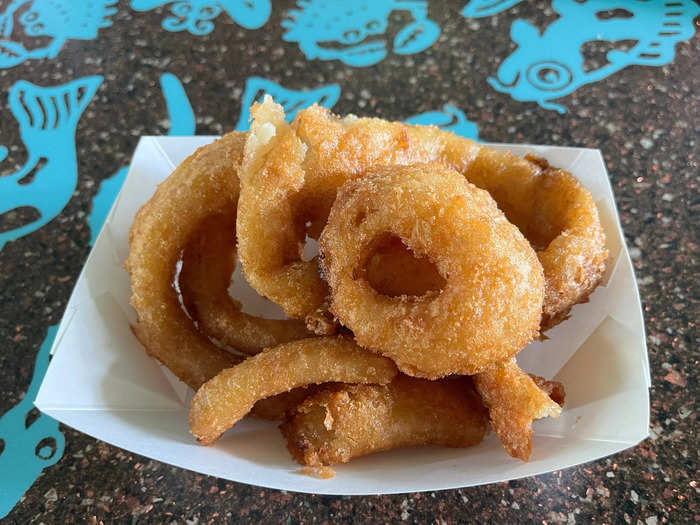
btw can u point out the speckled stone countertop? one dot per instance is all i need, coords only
(644, 119)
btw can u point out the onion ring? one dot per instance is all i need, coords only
(341, 423)
(490, 305)
(291, 174)
(514, 400)
(207, 264)
(223, 400)
(205, 183)
(559, 218)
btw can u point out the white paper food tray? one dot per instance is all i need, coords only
(101, 382)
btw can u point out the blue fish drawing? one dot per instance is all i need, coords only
(29, 440)
(60, 20)
(450, 119)
(549, 65)
(182, 122)
(291, 100)
(48, 117)
(196, 16)
(352, 31)
(481, 8)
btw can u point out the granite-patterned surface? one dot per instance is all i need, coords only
(646, 121)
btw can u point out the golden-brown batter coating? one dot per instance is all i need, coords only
(292, 172)
(490, 305)
(559, 218)
(223, 400)
(289, 180)
(205, 183)
(207, 264)
(515, 399)
(343, 422)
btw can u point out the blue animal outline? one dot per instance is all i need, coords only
(317, 22)
(449, 118)
(196, 16)
(30, 446)
(549, 65)
(482, 8)
(62, 20)
(182, 122)
(291, 100)
(48, 118)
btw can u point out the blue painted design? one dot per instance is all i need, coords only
(450, 119)
(180, 111)
(48, 117)
(182, 122)
(61, 20)
(550, 65)
(29, 446)
(196, 16)
(291, 100)
(347, 31)
(479, 8)
(102, 202)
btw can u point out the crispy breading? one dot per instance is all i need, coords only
(343, 422)
(223, 400)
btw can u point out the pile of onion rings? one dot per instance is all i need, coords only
(291, 174)
(437, 257)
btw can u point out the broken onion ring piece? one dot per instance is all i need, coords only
(223, 400)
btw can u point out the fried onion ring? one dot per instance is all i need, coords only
(490, 305)
(559, 218)
(223, 400)
(341, 423)
(515, 399)
(205, 183)
(207, 264)
(291, 174)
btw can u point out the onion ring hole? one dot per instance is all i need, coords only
(394, 270)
